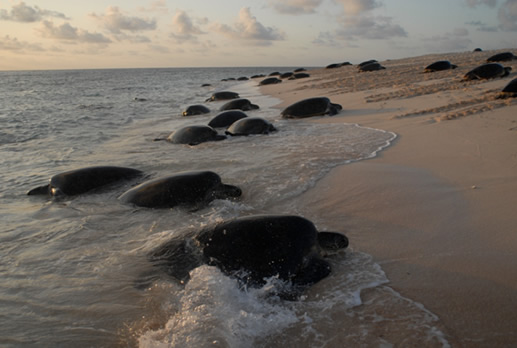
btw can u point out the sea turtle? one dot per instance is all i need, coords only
(311, 107)
(194, 135)
(254, 249)
(502, 57)
(270, 81)
(250, 125)
(239, 104)
(299, 76)
(510, 91)
(371, 67)
(439, 66)
(196, 110)
(224, 95)
(487, 71)
(225, 119)
(189, 189)
(78, 181)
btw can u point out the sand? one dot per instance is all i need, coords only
(437, 209)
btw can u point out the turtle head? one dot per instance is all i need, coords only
(507, 70)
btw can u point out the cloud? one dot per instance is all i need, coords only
(355, 7)
(116, 22)
(475, 3)
(482, 26)
(12, 44)
(184, 29)
(159, 6)
(295, 7)
(370, 27)
(458, 40)
(250, 30)
(508, 16)
(23, 13)
(66, 32)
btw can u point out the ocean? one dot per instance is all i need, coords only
(72, 268)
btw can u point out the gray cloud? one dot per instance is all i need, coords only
(249, 30)
(355, 7)
(370, 27)
(116, 22)
(66, 32)
(508, 15)
(23, 13)
(14, 45)
(295, 7)
(456, 41)
(482, 26)
(184, 28)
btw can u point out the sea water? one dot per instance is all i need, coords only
(74, 269)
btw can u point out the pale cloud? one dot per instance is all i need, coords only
(482, 26)
(474, 3)
(295, 7)
(458, 40)
(66, 32)
(370, 27)
(184, 28)
(23, 13)
(116, 22)
(356, 7)
(159, 6)
(508, 15)
(14, 45)
(249, 30)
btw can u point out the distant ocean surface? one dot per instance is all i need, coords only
(70, 268)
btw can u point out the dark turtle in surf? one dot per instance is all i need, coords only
(477, 50)
(270, 81)
(502, 57)
(196, 110)
(510, 91)
(439, 66)
(286, 75)
(239, 104)
(194, 135)
(311, 107)
(226, 119)
(250, 125)
(299, 70)
(254, 249)
(189, 189)
(224, 95)
(371, 67)
(487, 71)
(78, 181)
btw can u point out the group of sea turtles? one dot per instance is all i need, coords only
(251, 248)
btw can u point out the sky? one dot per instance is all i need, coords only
(79, 34)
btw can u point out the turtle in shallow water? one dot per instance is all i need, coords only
(82, 180)
(239, 104)
(224, 95)
(194, 135)
(196, 110)
(311, 107)
(439, 66)
(226, 119)
(487, 71)
(250, 125)
(502, 57)
(510, 91)
(253, 249)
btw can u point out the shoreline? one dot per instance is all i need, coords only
(436, 208)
